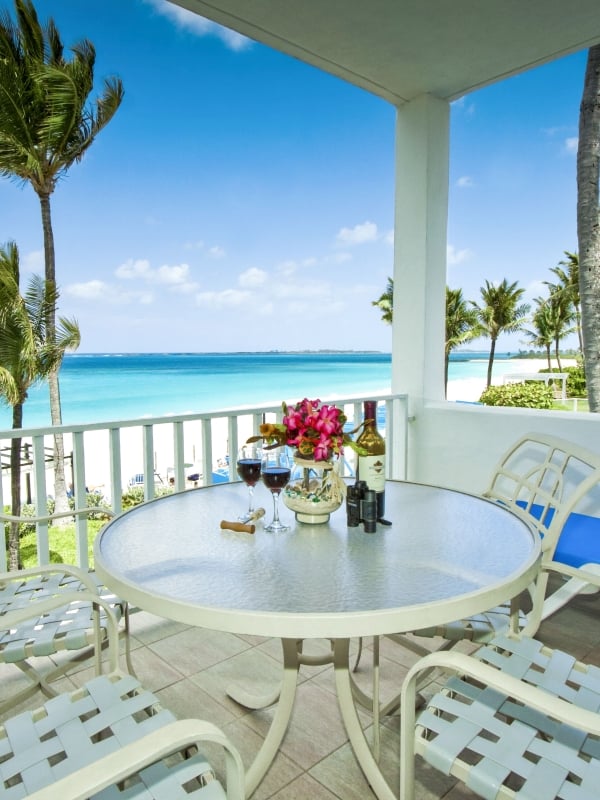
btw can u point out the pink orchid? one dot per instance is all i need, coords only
(316, 430)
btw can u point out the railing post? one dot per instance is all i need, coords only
(179, 455)
(116, 477)
(80, 495)
(148, 431)
(232, 445)
(207, 451)
(41, 500)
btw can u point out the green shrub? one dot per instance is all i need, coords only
(576, 385)
(134, 496)
(96, 500)
(520, 395)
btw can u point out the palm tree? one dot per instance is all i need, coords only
(461, 325)
(46, 125)
(562, 315)
(500, 312)
(386, 302)
(542, 334)
(27, 355)
(588, 224)
(553, 319)
(567, 287)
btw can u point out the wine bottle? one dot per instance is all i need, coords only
(371, 466)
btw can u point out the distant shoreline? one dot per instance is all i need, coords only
(455, 355)
(238, 353)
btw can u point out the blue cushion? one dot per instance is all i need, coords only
(579, 542)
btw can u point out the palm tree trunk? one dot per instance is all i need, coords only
(15, 491)
(557, 351)
(491, 362)
(588, 224)
(60, 484)
(548, 356)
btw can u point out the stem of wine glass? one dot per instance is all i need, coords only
(250, 500)
(275, 508)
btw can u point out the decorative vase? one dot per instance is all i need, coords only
(315, 490)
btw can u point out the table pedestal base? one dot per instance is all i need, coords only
(347, 693)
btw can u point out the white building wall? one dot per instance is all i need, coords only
(459, 444)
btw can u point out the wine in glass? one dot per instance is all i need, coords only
(248, 468)
(275, 473)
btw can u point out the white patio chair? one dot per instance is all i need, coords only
(554, 485)
(109, 739)
(79, 628)
(515, 720)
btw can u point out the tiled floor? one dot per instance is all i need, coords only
(190, 670)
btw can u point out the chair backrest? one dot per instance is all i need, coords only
(556, 484)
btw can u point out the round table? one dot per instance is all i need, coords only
(446, 555)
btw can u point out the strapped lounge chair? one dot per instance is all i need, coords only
(111, 736)
(516, 720)
(79, 627)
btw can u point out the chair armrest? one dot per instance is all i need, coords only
(49, 569)
(587, 573)
(130, 759)
(11, 619)
(532, 696)
(73, 512)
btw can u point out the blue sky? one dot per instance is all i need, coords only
(241, 200)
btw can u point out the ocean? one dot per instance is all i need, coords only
(118, 386)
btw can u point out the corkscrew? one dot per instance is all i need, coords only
(245, 526)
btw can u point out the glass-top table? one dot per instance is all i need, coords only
(445, 556)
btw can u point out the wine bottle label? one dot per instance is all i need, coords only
(372, 470)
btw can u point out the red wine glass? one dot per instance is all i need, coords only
(275, 474)
(248, 468)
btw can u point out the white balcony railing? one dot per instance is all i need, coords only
(109, 457)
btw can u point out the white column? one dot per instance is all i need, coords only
(418, 335)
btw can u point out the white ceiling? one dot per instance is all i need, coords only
(399, 49)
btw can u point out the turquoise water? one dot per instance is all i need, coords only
(102, 387)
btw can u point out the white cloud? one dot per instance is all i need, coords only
(198, 25)
(228, 298)
(99, 290)
(389, 237)
(197, 245)
(33, 262)
(465, 182)
(140, 268)
(216, 252)
(359, 234)
(287, 268)
(252, 278)
(176, 277)
(91, 290)
(571, 144)
(177, 274)
(454, 256)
